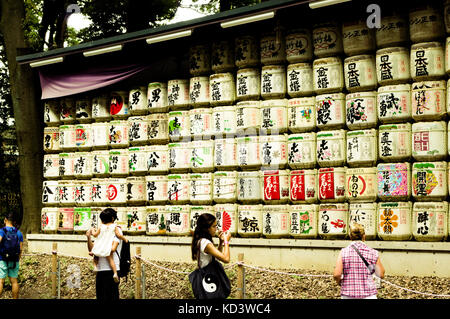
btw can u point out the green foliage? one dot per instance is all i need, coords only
(215, 6)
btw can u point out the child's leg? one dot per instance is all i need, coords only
(112, 264)
(95, 259)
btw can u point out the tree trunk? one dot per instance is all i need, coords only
(27, 114)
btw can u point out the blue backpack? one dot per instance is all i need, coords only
(10, 245)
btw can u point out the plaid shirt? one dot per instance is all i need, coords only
(357, 282)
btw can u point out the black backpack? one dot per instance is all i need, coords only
(124, 260)
(10, 246)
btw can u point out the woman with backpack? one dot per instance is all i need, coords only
(11, 247)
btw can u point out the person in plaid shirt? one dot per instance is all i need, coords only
(351, 273)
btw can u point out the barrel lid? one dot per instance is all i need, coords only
(248, 104)
(178, 81)
(274, 102)
(400, 126)
(360, 57)
(301, 65)
(335, 96)
(157, 84)
(361, 94)
(429, 85)
(392, 50)
(327, 60)
(248, 70)
(225, 75)
(395, 205)
(426, 45)
(277, 67)
(200, 110)
(302, 136)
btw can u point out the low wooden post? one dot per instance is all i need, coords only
(241, 278)
(54, 268)
(138, 292)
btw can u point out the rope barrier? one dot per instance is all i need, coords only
(414, 291)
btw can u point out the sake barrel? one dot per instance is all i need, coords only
(67, 138)
(223, 122)
(158, 128)
(116, 191)
(222, 89)
(83, 109)
(179, 157)
(122, 217)
(119, 108)
(222, 55)
(357, 37)
(200, 123)
(136, 220)
(156, 187)
(248, 117)
(178, 94)
(394, 181)
(65, 220)
(273, 82)
(202, 156)
(331, 184)
(157, 159)
(333, 221)
(299, 46)
(361, 110)
(330, 111)
(331, 148)
(68, 110)
(226, 216)
(199, 91)
(250, 221)
(95, 216)
(274, 151)
(178, 188)
(99, 187)
(447, 55)
(303, 221)
(119, 162)
(157, 100)
(274, 116)
(138, 100)
(429, 141)
(67, 193)
(156, 220)
(249, 187)
(201, 189)
(393, 31)
(138, 130)
(83, 165)
(361, 184)
(392, 65)
(51, 140)
(195, 213)
(447, 16)
(246, 51)
(327, 39)
(427, 61)
(429, 181)
(82, 220)
(100, 135)
(362, 147)
(100, 163)
(429, 221)
(83, 137)
(66, 165)
(272, 48)
(179, 126)
(50, 168)
(275, 221)
(248, 84)
(301, 114)
(248, 152)
(177, 220)
(101, 107)
(360, 73)
(52, 112)
(394, 142)
(118, 134)
(224, 187)
(50, 193)
(425, 23)
(136, 190)
(49, 219)
(428, 100)
(364, 214)
(138, 159)
(303, 186)
(302, 150)
(448, 177)
(275, 186)
(394, 103)
(394, 220)
(199, 59)
(299, 80)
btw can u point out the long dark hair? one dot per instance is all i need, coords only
(204, 222)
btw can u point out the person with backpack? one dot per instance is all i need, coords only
(106, 287)
(11, 247)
